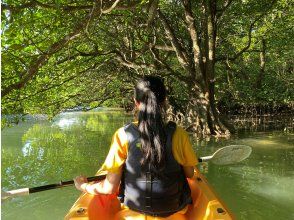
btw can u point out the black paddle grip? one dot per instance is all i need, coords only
(63, 184)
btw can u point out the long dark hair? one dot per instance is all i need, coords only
(150, 92)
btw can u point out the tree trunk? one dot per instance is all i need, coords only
(202, 116)
(260, 76)
(217, 125)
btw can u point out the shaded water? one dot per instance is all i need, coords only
(40, 152)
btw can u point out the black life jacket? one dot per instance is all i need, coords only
(143, 192)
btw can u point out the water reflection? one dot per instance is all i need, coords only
(66, 123)
(27, 148)
(45, 153)
(267, 143)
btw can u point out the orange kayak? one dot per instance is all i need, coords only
(206, 206)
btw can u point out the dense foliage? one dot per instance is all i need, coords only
(58, 55)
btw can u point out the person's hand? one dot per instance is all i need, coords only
(80, 183)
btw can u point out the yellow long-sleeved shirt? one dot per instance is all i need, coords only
(181, 148)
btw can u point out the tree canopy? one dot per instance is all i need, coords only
(62, 54)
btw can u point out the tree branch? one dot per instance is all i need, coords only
(220, 12)
(245, 48)
(190, 21)
(164, 48)
(172, 72)
(36, 64)
(131, 64)
(181, 54)
(84, 54)
(47, 88)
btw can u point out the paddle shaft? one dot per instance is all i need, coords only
(203, 159)
(62, 184)
(27, 191)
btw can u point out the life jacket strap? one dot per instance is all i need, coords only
(148, 191)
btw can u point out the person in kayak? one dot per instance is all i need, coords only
(149, 161)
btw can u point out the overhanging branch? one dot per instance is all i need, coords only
(245, 48)
(41, 60)
(181, 54)
(132, 64)
(226, 5)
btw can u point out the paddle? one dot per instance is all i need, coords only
(27, 191)
(226, 155)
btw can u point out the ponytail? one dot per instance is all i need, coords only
(150, 93)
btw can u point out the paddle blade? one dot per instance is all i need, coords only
(13, 193)
(231, 154)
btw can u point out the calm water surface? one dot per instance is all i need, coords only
(39, 152)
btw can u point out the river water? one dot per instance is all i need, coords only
(40, 152)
